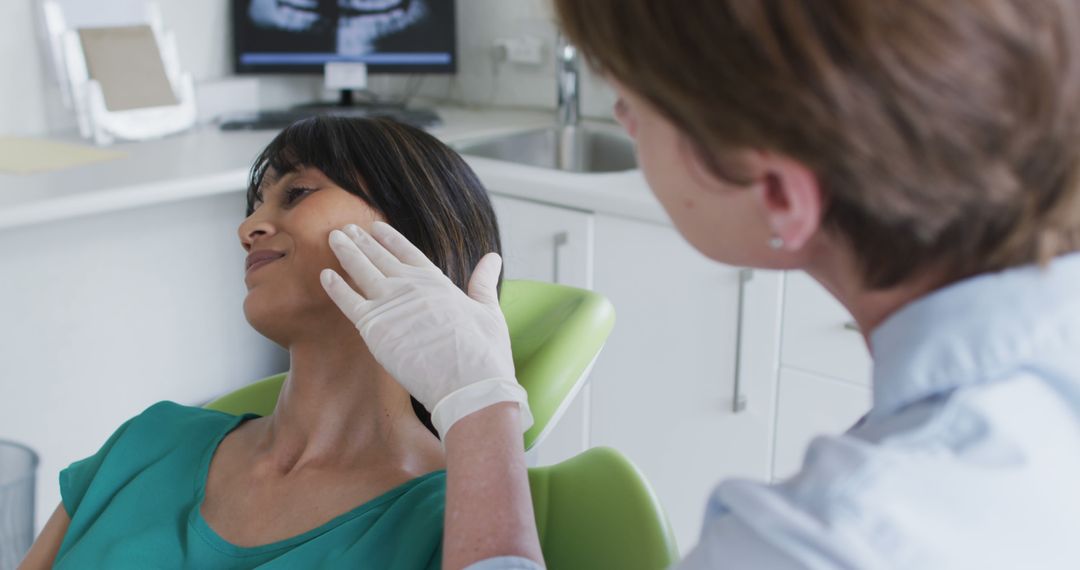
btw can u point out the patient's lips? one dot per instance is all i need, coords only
(257, 259)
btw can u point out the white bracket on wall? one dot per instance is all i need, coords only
(86, 95)
(524, 50)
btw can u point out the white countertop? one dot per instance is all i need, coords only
(207, 161)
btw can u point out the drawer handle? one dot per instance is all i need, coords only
(561, 239)
(738, 402)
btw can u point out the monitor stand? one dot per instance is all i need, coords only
(347, 77)
(348, 100)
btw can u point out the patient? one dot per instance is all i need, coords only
(347, 470)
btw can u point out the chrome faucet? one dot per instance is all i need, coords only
(566, 76)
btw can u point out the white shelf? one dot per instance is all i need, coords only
(207, 161)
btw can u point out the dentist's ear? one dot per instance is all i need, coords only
(791, 199)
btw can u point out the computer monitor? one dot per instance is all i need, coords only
(302, 36)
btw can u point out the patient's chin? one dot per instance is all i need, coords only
(290, 317)
(267, 319)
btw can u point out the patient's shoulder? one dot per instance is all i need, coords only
(172, 411)
(167, 439)
(167, 423)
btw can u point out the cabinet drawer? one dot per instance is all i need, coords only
(808, 406)
(549, 243)
(545, 243)
(664, 385)
(818, 333)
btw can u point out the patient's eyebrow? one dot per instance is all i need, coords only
(273, 179)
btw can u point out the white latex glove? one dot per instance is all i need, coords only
(450, 350)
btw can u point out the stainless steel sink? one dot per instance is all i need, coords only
(569, 145)
(579, 148)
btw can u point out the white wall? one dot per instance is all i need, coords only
(30, 103)
(481, 81)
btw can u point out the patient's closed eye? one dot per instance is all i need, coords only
(295, 193)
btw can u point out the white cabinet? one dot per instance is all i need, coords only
(810, 405)
(663, 389)
(819, 334)
(824, 372)
(553, 244)
(544, 242)
(106, 314)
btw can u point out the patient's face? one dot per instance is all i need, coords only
(295, 218)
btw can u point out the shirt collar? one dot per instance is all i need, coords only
(974, 331)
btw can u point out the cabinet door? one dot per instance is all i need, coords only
(819, 335)
(664, 385)
(824, 384)
(553, 244)
(811, 405)
(545, 243)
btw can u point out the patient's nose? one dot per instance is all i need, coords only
(252, 229)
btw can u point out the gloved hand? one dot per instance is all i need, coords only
(450, 350)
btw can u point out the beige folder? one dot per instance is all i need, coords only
(127, 63)
(21, 155)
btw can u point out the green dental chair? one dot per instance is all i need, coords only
(594, 510)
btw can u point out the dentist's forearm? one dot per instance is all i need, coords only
(489, 510)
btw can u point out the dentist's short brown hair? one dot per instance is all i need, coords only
(944, 133)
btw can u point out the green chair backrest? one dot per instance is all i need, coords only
(556, 332)
(596, 510)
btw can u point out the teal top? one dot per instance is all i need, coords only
(135, 504)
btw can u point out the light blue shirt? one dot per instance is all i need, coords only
(969, 458)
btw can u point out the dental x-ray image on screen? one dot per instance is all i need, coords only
(303, 35)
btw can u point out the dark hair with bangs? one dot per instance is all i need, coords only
(423, 188)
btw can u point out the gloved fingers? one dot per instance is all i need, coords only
(379, 256)
(363, 272)
(483, 284)
(345, 297)
(400, 246)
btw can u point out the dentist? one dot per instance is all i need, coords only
(921, 160)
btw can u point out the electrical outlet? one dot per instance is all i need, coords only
(524, 50)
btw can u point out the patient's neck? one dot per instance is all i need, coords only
(339, 409)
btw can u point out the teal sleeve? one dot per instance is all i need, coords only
(75, 480)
